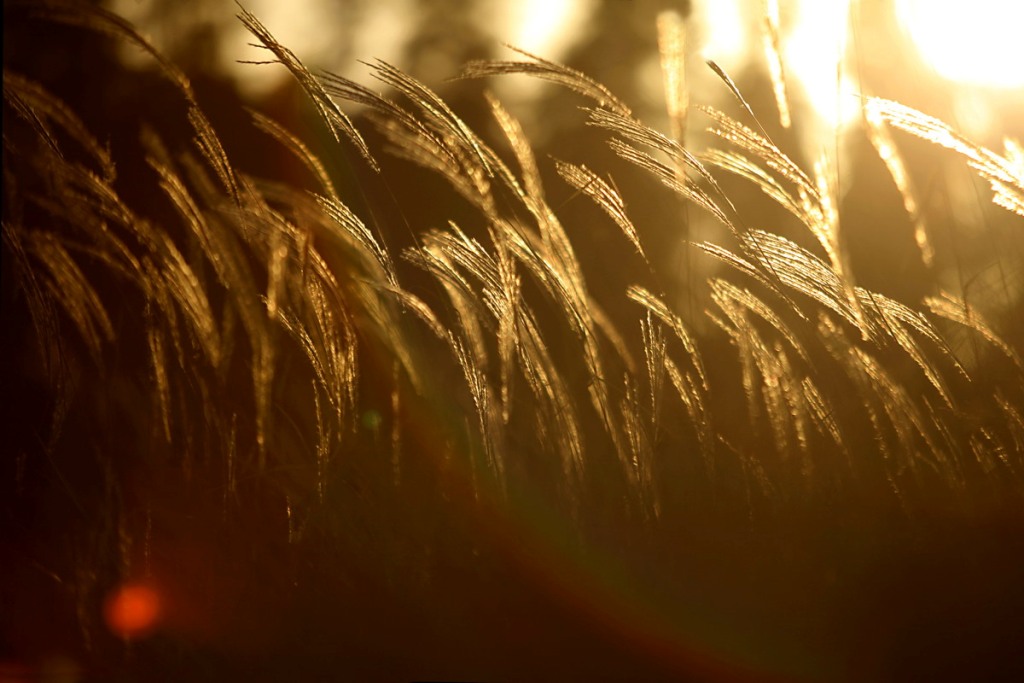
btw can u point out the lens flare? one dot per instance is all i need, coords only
(132, 610)
(977, 43)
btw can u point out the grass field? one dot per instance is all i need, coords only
(406, 399)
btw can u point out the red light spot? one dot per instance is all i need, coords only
(132, 610)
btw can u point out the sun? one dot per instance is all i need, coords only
(975, 43)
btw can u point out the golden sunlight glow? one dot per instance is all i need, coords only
(541, 26)
(977, 42)
(813, 51)
(726, 40)
(546, 28)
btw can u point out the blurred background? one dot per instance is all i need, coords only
(943, 54)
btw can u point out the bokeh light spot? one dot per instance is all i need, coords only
(132, 610)
(372, 420)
